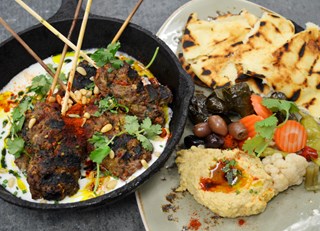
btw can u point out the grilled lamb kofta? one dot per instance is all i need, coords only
(58, 145)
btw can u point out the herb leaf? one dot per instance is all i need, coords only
(231, 173)
(283, 106)
(267, 126)
(18, 115)
(132, 125)
(150, 130)
(145, 142)
(256, 145)
(103, 56)
(40, 85)
(15, 146)
(99, 154)
(109, 104)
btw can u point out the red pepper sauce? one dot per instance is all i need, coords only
(6, 102)
(241, 222)
(194, 224)
(74, 125)
(217, 182)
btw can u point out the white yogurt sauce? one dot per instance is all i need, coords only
(15, 181)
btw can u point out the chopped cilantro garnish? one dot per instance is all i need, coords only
(231, 173)
(109, 104)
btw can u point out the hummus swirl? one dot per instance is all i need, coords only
(248, 196)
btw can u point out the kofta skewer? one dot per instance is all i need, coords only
(35, 56)
(75, 59)
(55, 31)
(64, 51)
(126, 22)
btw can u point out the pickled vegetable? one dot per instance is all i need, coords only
(313, 131)
(311, 180)
(270, 151)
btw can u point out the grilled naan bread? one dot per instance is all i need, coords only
(239, 60)
(295, 69)
(214, 40)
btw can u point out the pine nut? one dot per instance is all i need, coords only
(144, 163)
(78, 95)
(59, 100)
(11, 182)
(70, 101)
(87, 115)
(73, 116)
(3, 170)
(92, 78)
(96, 90)
(89, 93)
(31, 122)
(84, 100)
(157, 154)
(111, 184)
(111, 154)
(51, 99)
(81, 71)
(83, 91)
(106, 128)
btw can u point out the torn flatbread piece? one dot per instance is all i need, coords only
(296, 69)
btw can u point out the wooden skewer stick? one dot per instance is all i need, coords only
(126, 22)
(65, 49)
(55, 31)
(75, 59)
(34, 55)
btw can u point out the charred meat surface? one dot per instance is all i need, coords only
(143, 100)
(57, 145)
(128, 155)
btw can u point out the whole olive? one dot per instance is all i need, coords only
(213, 141)
(278, 95)
(192, 140)
(238, 130)
(218, 125)
(202, 129)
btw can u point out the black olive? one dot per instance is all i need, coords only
(213, 141)
(192, 140)
(278, 95)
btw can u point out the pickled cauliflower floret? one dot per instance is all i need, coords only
(285, 172)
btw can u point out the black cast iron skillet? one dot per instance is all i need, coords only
(135, 41)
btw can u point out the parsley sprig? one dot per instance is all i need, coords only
(265, 128)
(109, 104)
(107, 55)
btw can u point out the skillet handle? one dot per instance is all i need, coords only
(66, 11)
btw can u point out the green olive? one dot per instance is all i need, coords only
(218, 125)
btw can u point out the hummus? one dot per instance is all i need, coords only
(204, 173)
